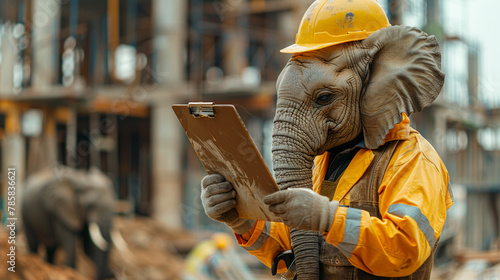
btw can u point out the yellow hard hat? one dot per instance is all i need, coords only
(331, 22)
(222, 240)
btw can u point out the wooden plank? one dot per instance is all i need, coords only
(121, 107)
(13, 120)
(492, 256)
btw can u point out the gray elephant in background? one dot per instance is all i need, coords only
(62, 205)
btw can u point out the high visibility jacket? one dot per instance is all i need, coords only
(413, 199)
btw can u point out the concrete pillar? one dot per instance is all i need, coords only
(45, 26)
(71, 134)
(473, 77)
(433, 11)
(170, 33)
(433, 26)
(95, 157)
(167, 166)
(13, 157)
(395, 11)
(235, 52)
(439, 123)
(9, 52)
(236, 44)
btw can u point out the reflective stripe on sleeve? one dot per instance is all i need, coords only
(351, 231)
(414, 212)
(261, 239)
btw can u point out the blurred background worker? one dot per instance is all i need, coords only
(216, 258)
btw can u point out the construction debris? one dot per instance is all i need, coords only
(477, 269)
(31, 266)
(146, 250)
(152, 253)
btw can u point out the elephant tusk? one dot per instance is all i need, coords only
(96, 237)
(119, 242)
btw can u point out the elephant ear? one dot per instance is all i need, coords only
(61, 201)
(405, 77)
(99, 179)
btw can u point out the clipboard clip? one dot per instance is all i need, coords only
(201, 109)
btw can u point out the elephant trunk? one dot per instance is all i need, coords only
(293, 169)
(305, 245)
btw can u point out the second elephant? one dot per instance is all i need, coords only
(62, 205)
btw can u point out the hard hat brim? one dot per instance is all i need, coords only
(295, 48)
(350, 37)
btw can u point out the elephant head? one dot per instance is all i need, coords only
(351, 91)
(82, 202)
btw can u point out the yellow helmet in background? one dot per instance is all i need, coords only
(222, 241)
(331, 22)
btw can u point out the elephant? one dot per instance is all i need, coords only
(61, 205)
(343, 97)
(333, 96)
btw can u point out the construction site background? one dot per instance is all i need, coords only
(91, 83)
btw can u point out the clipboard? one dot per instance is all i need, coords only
(224, 146)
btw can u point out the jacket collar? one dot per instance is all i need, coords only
(361, 160)
(401, 131)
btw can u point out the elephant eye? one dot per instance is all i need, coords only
(324, 99)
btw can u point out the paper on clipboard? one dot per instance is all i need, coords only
(224, 146)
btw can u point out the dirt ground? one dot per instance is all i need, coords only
(149, 251)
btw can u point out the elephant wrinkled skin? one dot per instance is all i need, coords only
(61, 205)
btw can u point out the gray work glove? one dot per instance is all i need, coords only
(303, 209)
(219, 199)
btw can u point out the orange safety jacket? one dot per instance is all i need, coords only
(413, 199)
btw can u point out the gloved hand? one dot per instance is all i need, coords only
(219, 199)
(303, 209)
